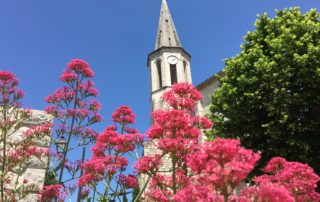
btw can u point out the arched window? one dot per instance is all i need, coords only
(159, 73)
(185, 70)
(173, 73)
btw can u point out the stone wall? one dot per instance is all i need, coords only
(33, 170)
(207, 88)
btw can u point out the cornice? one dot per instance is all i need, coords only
(157, 53)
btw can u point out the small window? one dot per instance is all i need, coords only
(167, 20)
(173, 73)
(159, 73)
(185, 70)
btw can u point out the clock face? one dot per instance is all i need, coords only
(172, 60)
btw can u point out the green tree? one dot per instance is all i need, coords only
(269, 96)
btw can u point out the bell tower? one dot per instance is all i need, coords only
(169, 63)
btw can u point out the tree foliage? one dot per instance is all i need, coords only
(269, 96)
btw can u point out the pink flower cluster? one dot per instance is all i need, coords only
(123, 115)
(266, 192)
(75, 109)
(87, 89)
(68, 76)
(80, 67)
(176, 133)
(129, 181)
(39, 132)
(299, 179)
(108, 162)
(197, 192)
(64, 94)
(8, 76)
(111, 140)
(148, 164)
(52, 192)
(72, 167)
(9, 93)
(182, 96)
(221, 161)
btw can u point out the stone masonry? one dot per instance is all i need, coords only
(33, 170)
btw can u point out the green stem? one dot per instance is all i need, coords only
(116, 190)
(106, 192)
(174, 184)
(142, 190)
(94, 192)
(65, 151)
(18, 176)
(82, 161)
(225, 192)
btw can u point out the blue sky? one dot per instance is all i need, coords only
(38, 38)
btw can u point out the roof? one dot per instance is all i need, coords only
(210, 80)
(167, 35)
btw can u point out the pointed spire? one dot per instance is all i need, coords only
(167, 35)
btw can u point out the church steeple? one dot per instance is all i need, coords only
(169, 63)
(167, 35)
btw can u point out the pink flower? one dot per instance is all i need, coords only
(197, 192)
(125, 143)
(202, 122)
(39, 131)
(123, 115)
(157, 195)
(98, 149)
(129, 181)
(148, 164)
(95, 166)
(298, 178)
(96, 117)
(95, 105)
(68, 76)
(38, 151)
(6, 76)
(84, 192)
(182, 96)
(90, 133)
(53, 110)
(108, 137)
(65, 93)
(87, 89)
(130, 130)
(87, 179)
(266, 192)
(9, 93)
(52, 192)
(221, 161)
(178, 121)
(138, 139)
(80, 67)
